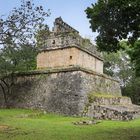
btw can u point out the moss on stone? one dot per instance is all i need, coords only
(85, 43)
(86, 109)
(92, 96)
(42, 76)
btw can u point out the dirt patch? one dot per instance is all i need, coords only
(31, 115)
(4, 127)
(11, 132)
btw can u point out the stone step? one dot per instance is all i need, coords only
(137, 115)
(137, 108)
(100, 99)
(114, 112)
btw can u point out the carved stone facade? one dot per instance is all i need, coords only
(69, 57)
(66, 48)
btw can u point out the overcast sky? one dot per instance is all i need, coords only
(71, 11)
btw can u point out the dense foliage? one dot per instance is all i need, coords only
(120, 66)
(21, 24)
(135, 57)
(115, 20)
(132, 90)
(17, 37)
(41, 36)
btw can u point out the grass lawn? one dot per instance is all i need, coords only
(19, 124)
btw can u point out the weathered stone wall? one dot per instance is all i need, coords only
(110, 100)
(66, 57)
(110, 112)
(87, 61)
(61, 26)
(110, 107)
(100, 84)
(56, 58)
(64, 92)
(59, 40)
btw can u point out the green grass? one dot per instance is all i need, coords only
(33, 125)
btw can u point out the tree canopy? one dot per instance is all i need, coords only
(18, 43)
(135, 57)
(21, 24)
(17, 36)
(114, 20)
(117, 20)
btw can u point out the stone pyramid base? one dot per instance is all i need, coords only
(112, 108)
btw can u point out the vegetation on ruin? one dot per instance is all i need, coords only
(74, 35)
(41, 36)
(86, 42)
(20, 124)
(92, 96)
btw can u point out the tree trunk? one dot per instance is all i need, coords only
(4, 95)
(6, 86)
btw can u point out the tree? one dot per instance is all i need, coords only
(115, 20)
(41, 36)
(135, 57)
(132, 90)
(119, 66)
(17, 39)
(12, 60)
(22, 23)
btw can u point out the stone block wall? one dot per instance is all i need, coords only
(67, 57)
(63, 39)
(64, 92)
(110, 113)
(110, 100)
(111, 107)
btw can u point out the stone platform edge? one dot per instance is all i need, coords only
(72, 46)
(66, 69)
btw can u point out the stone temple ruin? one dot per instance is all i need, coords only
(69, 80)
(66, 48)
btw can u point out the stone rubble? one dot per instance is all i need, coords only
(101, 109)
(87, 122)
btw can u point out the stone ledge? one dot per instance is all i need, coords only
(107, 99)
(113, 112)
(72, 46)
(59, 70)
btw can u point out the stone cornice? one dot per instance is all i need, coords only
(72, 46)
(59, 70)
